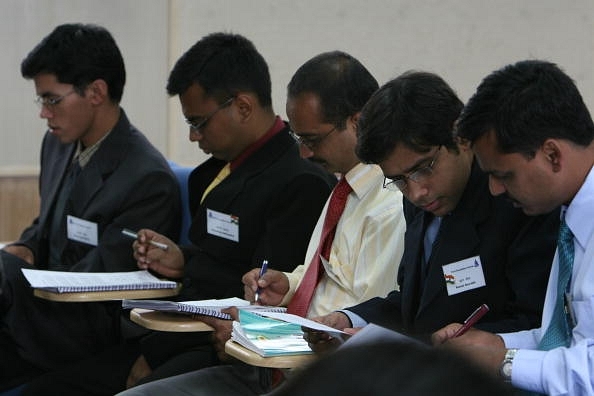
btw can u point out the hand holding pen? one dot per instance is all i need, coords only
(472, 319)
(263, 270)
(134, 235)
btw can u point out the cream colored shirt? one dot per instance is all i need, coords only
(366, 250)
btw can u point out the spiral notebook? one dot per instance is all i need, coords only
(201, 307)
(78, 282)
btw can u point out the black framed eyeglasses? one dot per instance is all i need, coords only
(49, 101)
(419, 175)
(200, 124)
(311, 141)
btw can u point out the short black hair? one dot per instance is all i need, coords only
(79, 54)
(524, 104)
(417, 109)
(223, 64)
(342, 84)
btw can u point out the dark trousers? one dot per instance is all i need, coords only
(39, 335)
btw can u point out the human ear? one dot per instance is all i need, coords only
(553, 154)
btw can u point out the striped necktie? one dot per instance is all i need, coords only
(558, 333)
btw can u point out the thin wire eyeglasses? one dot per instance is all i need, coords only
(418, 176)
(197, 126)
(311, 142)
(50, 102)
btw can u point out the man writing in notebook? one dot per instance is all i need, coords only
(98, 174)
(355, 260)
(533, 135)
(463, 247)
(254, 199)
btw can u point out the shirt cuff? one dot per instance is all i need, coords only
(356, 320)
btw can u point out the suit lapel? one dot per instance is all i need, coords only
(56, 175)
(104, 162)
(410, 266)
(458, 237)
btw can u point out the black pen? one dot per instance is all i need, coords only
(134, 235)
(263, 270)
(472, 319)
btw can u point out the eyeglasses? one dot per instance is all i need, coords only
(311, 142)
(419, 175)
(50, 102)
(198, 125)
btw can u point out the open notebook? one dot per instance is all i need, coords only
(74, 282)
(201, 307)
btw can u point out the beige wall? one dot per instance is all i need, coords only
(462, 40)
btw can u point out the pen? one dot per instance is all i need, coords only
(472, 319)
(263, 270)
(134, 235)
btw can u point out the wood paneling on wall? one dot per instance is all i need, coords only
(19, 205)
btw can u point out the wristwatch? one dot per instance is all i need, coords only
(505, 370)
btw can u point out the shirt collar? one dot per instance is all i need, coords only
(580, 208)
(276, 128)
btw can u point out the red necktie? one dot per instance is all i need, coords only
(299, 304)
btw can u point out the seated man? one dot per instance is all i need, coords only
(324, 100)
(534, 136)
(101, 174)
(255, 199)
(463, 247)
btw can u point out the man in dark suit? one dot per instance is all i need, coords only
(255, 199)
(98, 174)
(463, 247)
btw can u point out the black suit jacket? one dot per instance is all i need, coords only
(127, 183)
(516, 252)
(277, 197)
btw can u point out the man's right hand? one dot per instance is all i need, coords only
(273, 286)
(22, 252)
(169, 263)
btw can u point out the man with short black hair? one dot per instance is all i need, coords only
(98, 175)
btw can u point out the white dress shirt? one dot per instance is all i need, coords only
(564, 371)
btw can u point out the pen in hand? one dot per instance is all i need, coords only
(263, 270)
(134, 235)
(472, 319)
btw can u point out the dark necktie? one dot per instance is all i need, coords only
(57, 236)
(299, 304)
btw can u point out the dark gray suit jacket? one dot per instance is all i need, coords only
(127, 183)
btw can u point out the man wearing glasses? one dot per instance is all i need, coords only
(98, 174)
(463, 247)
(254, 199)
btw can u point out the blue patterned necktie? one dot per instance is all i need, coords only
(558, 333)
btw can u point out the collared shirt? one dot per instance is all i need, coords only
(278, 126)
(84, 155)
(367, 247)
(564, 371)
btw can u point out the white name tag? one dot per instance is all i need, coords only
(464, 275)
(80, 230)
(222, 225)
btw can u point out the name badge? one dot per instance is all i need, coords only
(222, 225)
(464, 275)
(80, 230)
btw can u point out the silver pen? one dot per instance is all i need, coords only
(134, 235)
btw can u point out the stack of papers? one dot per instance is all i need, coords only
(275, 334)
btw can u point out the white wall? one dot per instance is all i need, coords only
(462, 40)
